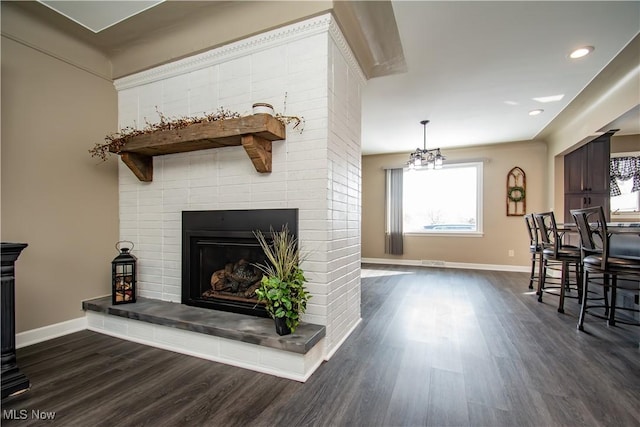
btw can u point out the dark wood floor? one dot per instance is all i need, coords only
(436, 347)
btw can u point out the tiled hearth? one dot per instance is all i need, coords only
(316, 171)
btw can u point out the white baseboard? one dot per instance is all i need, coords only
(445, 264)
(48, 332)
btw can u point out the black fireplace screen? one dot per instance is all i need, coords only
(219, 256)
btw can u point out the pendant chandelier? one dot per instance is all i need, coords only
(431, 159)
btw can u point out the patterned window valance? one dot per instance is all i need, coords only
(624, 168)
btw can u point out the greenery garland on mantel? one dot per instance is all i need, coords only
(116, 141)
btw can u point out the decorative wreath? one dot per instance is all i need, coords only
(518, 197)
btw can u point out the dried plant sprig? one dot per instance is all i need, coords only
(287, 120)
(115, 141)
(298, 122)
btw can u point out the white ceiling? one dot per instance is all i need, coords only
(474, 67)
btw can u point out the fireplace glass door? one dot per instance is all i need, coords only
(220, 254)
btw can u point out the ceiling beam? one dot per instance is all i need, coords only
(372, 33)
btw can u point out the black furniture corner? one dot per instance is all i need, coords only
(13, 381)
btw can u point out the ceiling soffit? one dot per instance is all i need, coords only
(369, 28)
(173, 30)
(372, 33)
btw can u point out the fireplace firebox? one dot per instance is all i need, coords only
(219, 253)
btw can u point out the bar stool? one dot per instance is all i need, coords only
(535, 248)
(610, 272)
(554, 253)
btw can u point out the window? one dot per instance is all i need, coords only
(443, 201)
(628, 201)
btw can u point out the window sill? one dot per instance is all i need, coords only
(625, 216)
(446, 234)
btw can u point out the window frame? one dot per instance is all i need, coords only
(479, 232)
(624, 214)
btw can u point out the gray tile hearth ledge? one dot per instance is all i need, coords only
(233, 326)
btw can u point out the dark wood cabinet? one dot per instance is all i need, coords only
(586, 176)
(587, 168)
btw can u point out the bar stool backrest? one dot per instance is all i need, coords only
(533, 230)
(548, 231)
(592, 227)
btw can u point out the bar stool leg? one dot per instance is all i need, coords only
(579, 274)
(585, 292)
(612, 304)
(534, 258)
(564, 282)
(605, 291)
(541, 277)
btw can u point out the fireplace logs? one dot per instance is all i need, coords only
(240, 279)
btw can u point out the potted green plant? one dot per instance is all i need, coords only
(282, 289)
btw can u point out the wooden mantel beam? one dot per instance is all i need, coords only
(254, 133)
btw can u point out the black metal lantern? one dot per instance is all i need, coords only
(123, 276)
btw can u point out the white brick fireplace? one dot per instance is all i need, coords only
(316, 171)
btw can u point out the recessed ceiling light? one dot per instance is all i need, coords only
(536, 112)
(511, 102)
(580, 52)
(552, 98)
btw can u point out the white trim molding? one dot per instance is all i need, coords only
(343, 45)
(49, 332)
(445, 264)
(310, 27)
